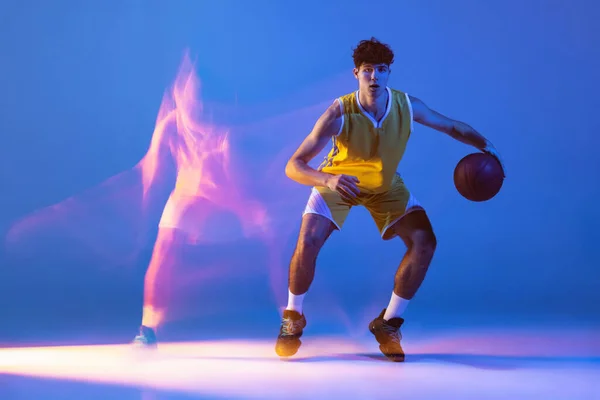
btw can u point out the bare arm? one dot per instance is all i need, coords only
(455, 129)
(325, 128)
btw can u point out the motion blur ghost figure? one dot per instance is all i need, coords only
(198, 152)
(221, 208)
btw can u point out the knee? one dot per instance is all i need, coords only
(309, 244)
(424, 240)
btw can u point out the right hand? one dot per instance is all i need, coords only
(344, 185)
(491, 150)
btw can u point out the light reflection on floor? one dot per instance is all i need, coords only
(485, 364)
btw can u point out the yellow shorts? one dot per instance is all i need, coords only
(385, 208)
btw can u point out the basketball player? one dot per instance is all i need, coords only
(369, 129)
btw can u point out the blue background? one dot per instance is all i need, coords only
(81, 87)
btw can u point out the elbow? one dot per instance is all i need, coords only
(290, 168)
(455, 129)
(460, 131)
(293, 168)
(454, 132)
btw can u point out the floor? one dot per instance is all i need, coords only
(451, 363)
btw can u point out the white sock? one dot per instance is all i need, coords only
(396, 307)
(295, 301)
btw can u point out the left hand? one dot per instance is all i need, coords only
(490, 149)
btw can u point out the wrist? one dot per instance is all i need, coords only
(486, 146)
(325, 177)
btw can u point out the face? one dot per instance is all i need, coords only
(372, 78)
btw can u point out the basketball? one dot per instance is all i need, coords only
(478, 177)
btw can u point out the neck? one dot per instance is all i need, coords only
(372, 102)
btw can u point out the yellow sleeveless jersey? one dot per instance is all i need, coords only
(368, 149)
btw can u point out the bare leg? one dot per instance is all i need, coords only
(416, 231)
(314, 231)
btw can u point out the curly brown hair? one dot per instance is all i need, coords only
(372, 51)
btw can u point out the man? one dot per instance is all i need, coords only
(369, 129)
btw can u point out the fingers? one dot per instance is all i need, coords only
(495, 154)
(345, 196)
(352, 178)
(348, 191)
(348, 184)
(501, 164)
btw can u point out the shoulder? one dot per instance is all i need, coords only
(334, 110)
(400, 95)
(403, 97)
(403, 100)
(348, 96)
(397, 92)
(330, 121)
(333, 117)
(348, 101)
(416, 104)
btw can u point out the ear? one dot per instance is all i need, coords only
(355, 72)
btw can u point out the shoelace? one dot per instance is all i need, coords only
(290, 326)
(393, 333)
